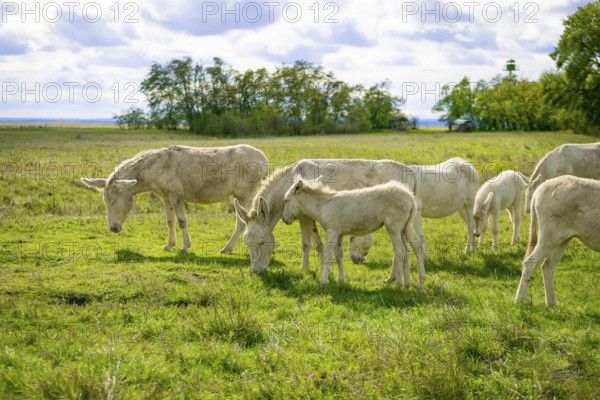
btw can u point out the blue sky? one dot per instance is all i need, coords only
(85, 59)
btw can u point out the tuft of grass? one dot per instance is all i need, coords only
(232, 321)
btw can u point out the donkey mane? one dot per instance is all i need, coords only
(541, 163)
(130, 168)
(317, 188)
(265, 187)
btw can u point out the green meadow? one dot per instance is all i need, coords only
(89, 314)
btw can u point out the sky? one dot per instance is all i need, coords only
(86, 59)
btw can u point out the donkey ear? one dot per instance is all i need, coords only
(241, 212)
(94, 183)
(299, 185)
(123, 184)
(524, 178)
(488, 201)
(263, 209)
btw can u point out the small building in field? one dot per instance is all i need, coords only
(464, 125)
(399, 122)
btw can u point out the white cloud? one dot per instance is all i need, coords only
(420, 44)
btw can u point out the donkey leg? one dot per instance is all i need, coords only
(517, 214)
(548, 269)
(467, 216)
(397, 269)
(306, 225)
(539, 254)
(406, 265)
(495, 229)
(330, 244)
(398, 247)
(418, 228)
(415, 242)
(179, 207)
(339, 257)
(317, 240)
(392, 276)
(515, 218)
(171, 218)
(239, 227)
(484, 229)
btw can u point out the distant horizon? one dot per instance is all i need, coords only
(421, 122)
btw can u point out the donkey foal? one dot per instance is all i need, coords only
(502, 192)
(359, 212)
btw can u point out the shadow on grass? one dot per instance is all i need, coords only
(483, 263)
(506, 264)
(226, 260)
(294, 283)
(304, 285)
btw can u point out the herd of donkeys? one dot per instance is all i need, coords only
(356, 197)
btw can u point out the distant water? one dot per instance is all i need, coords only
(59, 120)
(431, 123)
(421, 122)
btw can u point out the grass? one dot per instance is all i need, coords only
(85, 313)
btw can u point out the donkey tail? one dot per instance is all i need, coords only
(533, 228)
(409, 227)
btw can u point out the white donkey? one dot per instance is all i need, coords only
(444, 189)
(358, 212)
(502, 192)
(178, 174)
(561, 208)
(581, 160)
(339, 174)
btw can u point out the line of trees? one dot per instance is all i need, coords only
(504, 103)
(568, 98)
(297, 99)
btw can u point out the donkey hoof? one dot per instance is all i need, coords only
(168, 246)
(226, 250)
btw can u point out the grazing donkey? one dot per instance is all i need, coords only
(581, 160)
(358, 212)
(561, 208)
(339, 174)
(178, 174)
(444, 189)
(503, 192)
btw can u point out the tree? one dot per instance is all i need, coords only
(162, 96)
(381, 105)
(562, 102)
(220, 89)
(509, 104)
(301, 98)
(189, 80)
(132, 118)
(578, 55)
(458, 102)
